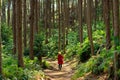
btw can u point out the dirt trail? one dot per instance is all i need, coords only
(64, 74)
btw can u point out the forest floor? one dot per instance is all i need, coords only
(90, 76)
(65, 74)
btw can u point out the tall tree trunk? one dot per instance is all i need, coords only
(111, 8)
(89, 25)
(39, 8)
(46, 21)
(80, 20)
(49, 17)
(64, 24)
(0, 42)
(14, 26)
(3, 18)
(19, 33)
(102, 5)
(59, 40)
(85, 9)
(9, 3)
(53, 14)
(116, 35)
(32, 20)
(107, 23)
(67, 19)
(25, 24)
(36, 16)
(96, 18)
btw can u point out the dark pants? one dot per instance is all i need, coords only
(60, 66)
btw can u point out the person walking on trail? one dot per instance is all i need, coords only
(60, 60)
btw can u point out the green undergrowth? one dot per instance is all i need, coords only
(31, 69)
(97, 64)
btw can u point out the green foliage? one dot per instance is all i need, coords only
(6, 33)
(13, 72)
(38, 45)
(45, 65)
(7, 41)
(96, 64)
(32, 64)
(118, 72)
(71, 51)
(72, 37)
(26, 51)
(52, 46)
(84, 51)
(83, 68)
(97, 68)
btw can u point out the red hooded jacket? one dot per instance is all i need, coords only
(60, 59)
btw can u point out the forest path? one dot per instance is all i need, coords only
(65, 74)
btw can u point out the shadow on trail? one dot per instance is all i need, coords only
(54, 74)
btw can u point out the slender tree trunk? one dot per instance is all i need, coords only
(3, 18)
(53, 14)
(80, 20)
(25, 24)
(64, 24)
(107, 23)
(49, 17)
(46, 21)
(96, 18)
(36, 16)
(67, 23)
(116, 35)
(59, 40)
(89, 25)
(19, 33)
(32, 21)
(9, 3)
(14, 26)
(111, 8)
(102, 15)
(85, 9)
(0, 42)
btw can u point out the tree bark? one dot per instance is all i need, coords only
(107, 23)
(64, 24)
(0, 42)
(96, 18)
(39, 8)
(9, 3)
(14, 26)
(36, 16)
(89, 27)
(32, 21)
(3, 18)
(19, 33)
(46, 21)
(59, 40)
(25, 24)
(116, 35)
(80, 20)
(85, 10)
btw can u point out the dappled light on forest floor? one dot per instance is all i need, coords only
(90, 76)
(65, 74)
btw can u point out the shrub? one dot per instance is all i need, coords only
(6, 33)
(12, 72)
(84, 51)
(83, 68)
(98, 68)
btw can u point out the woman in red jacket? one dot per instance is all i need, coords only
(60, 60)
